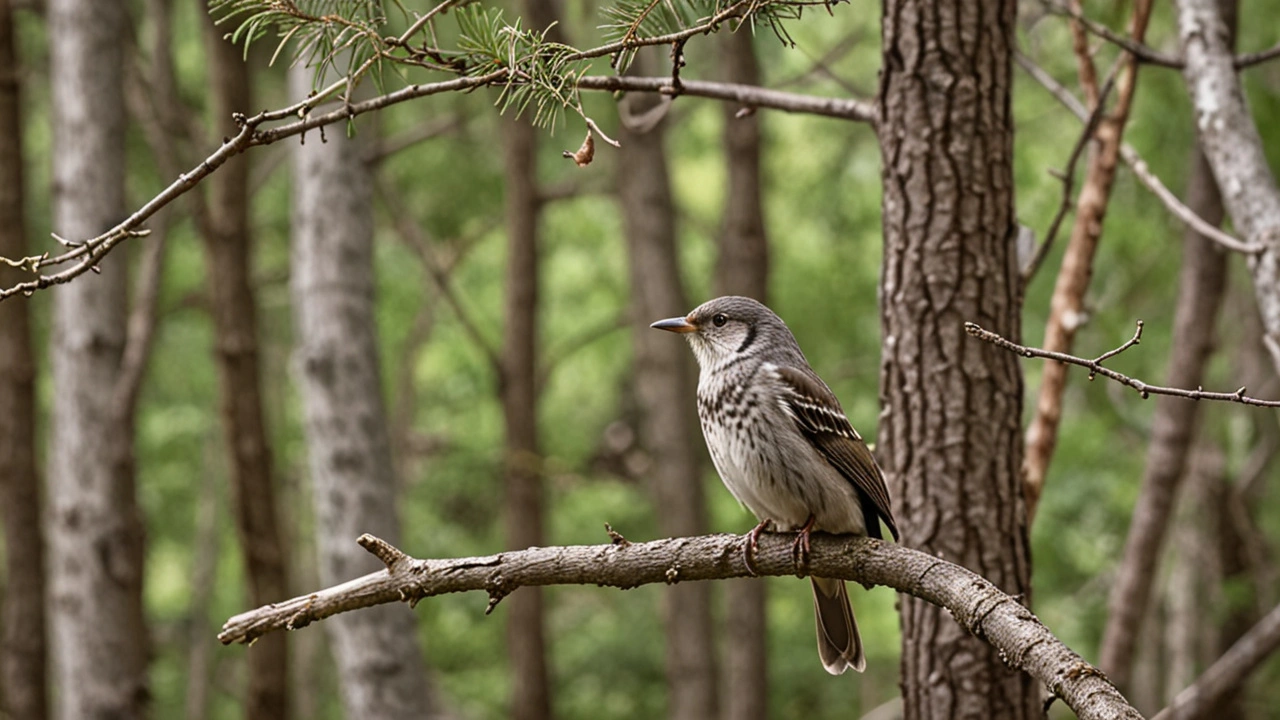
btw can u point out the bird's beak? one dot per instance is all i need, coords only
(675, 325)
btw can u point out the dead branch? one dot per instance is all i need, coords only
(1228, 672)
(1139, 166)
(1095, 368)
(1066, 305)
(978, 605)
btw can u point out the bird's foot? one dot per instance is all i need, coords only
(752, 544)
(800, 548)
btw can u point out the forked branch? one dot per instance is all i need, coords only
(978, 605)
(1096, 368)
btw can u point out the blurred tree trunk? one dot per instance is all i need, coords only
(227, 243)
(380, 666)
(99, 634)
(23, 684)
(666, 386)
(950, 434)
(742, 268)
(1200, 288)
(523, 499)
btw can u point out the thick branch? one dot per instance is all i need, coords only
(974, 602)
(1230, 670)
(1095, 367)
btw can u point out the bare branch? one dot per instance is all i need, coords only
(977, 604)
(749, 95)
(1228, 672)
(1249, 60)
(1139, 166)
(1144, 53)
(1095, 368)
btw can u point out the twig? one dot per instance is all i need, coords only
(1228, 672)
(1139, 166)
(1095, 368)
(1069, 180)
(1249, 60)
(843, 108)
(1143, 52)
(976, 603)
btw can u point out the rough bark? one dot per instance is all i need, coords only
(23, 652)
(742, 268)
(665, 387)
(975, 603)
(227, 244)
(950, 437)
(1067, 307)
(98, 633)
(1201, 283)
(1234, 149)
(380, 666)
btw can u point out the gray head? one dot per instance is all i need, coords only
(730, 328)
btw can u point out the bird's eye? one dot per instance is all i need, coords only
(719, 319)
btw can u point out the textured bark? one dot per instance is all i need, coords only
(380, 666)
(1067, 307)
(1201, 282)
(950, 438)
(665, 387)
(975, 603)
(1234, 149)
(742, 268)
(23, 653)
(98, 633)
(227, 244)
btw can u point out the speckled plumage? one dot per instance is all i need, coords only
(783, 446)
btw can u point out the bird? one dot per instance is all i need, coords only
(784, 448)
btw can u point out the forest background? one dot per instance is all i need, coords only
(441, 263)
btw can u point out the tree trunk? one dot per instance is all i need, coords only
(380, 666)
(665, 389)
(523, 500)
(742, 268)
(23, 684)
(950, 436)
(98, 631)
(227, 245)
(1201, 283)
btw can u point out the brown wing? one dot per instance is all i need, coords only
(818, 415)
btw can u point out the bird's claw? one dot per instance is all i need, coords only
(752, 545)
(800, 548)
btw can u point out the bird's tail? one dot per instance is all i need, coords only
(838, 643)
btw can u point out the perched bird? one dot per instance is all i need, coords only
(784, 448)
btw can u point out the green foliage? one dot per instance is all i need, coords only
(336, 36)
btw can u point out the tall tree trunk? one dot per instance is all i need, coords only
(742, 268)
(380, 665)
(227, 244)
(523, 503)
(23, 685)
(950, 434)
(523, 499)
(1201, 284)
(99, 644)
(665, 387)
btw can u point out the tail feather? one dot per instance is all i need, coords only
(838, 643)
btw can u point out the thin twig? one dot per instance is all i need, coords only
(1095, 368)
(843, 108)
(1069, 179)
(1139, 166)
(1143, 52)
(1249, 60)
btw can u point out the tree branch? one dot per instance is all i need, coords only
(1139, 166)
(1095, 368)
(1143, 52)
(1228, 672)
(749, 95)
(974, 602)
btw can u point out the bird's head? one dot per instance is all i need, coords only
(729, 327)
